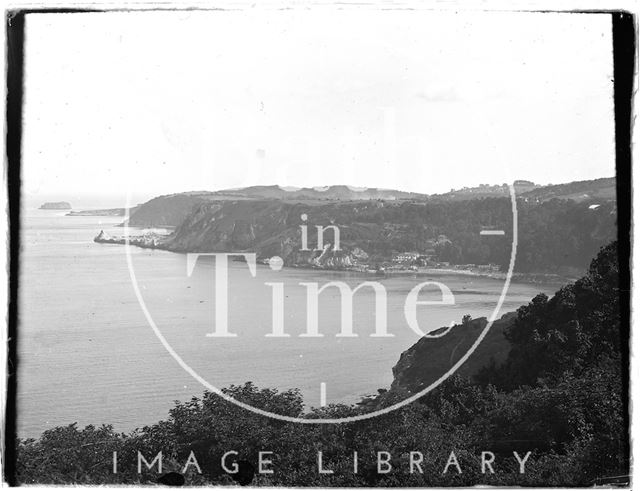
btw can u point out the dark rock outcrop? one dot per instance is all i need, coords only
(430, 358)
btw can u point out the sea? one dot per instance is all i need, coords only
(87, 353)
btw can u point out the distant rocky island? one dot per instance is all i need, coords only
(56, 205)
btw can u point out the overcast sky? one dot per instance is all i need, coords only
(414, 100)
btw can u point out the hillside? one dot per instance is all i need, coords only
(553, 236)
(597, 189)
(486, 191)
(522, 345)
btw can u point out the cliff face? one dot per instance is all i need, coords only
(165, 211)
(228, 226)
(268, 228)
(429, 358)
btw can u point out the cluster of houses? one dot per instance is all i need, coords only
(426, 258)
(414, 260)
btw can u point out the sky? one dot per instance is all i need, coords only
(424, 101)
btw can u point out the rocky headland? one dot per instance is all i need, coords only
(55, 205)
(401, 234)
(108, 212)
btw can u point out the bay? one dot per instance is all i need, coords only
(88, 355)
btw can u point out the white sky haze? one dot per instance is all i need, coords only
(419, 101)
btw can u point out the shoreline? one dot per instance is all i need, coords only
(530, 278)
(154, 241)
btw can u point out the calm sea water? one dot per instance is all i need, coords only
(88, 355)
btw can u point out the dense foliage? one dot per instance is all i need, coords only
(559, 394)
(551, 235)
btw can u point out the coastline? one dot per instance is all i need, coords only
(155, 241)
(532, 278)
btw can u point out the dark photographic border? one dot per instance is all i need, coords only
(624, 48)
